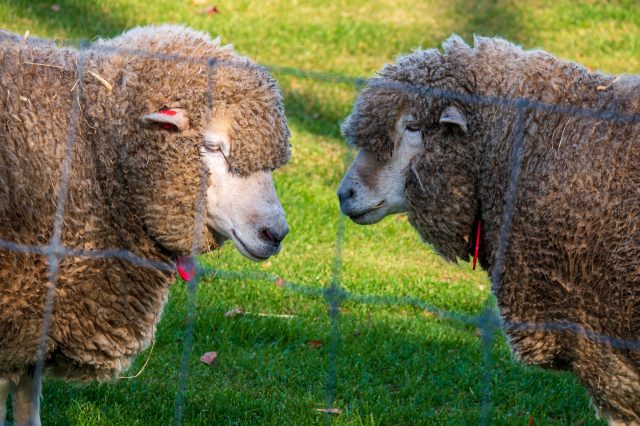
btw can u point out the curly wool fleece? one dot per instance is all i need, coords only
(132, 186)
(203, 73)
(574, 246)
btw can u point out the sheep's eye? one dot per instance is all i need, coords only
(216, 149)
(212, 147)
(412, 127)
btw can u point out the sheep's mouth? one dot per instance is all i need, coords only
(245, 249)
(361, 216)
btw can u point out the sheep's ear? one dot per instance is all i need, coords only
(169, 118)
(453, 115)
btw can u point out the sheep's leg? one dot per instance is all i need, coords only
(4, 394)
(26, 407)
(611, 378)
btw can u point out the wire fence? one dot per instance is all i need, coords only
(488, 322)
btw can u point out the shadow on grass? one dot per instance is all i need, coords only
(396, 372)
(314, 116)
(267, 371)
(502, 18)
(318, 102)
(78, 19)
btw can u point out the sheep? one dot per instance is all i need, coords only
(432, 146)
(156, 117)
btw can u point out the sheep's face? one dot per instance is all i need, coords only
(167, 142)
(418, 156)
(374, 188)
(240, 205)
(244, 209)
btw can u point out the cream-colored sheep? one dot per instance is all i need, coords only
(152, 114)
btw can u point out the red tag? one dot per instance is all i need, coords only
(186, 267)
(475, 254)
(167, 112)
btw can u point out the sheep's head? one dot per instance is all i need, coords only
(374, 185)
(241, 139)
(417, 154)
(217, 122)
(244, 209)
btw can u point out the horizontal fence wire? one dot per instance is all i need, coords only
(488, 322)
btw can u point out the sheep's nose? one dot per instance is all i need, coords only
(345, 193)
(274, 235)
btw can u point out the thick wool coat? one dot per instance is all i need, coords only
(132, 185)
(570, 291)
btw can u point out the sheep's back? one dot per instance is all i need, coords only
(575, 238)
(35, 115)
(37, 87)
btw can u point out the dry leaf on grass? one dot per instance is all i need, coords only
(265, 265)
(211, 10)
(280, 283)
(209, 358)
(315, 344)
(199, 2)
(428, 314)
(55, 7)
(335, 411)
(234, 313)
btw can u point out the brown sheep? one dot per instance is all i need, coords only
(152, 128)
(569, 288)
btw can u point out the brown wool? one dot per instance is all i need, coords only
(573, 251)
(132, 186)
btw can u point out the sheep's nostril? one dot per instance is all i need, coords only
(345, 194)
(266, 235)
(271, 236)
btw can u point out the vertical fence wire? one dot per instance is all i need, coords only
(489, 317)
(55, 250)
(199, 224)
(497, 270)
(332, 296)
(486, 324)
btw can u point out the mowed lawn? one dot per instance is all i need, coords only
(396, 364)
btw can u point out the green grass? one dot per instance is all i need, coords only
(395, 364)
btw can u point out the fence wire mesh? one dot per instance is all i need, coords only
(488, 322)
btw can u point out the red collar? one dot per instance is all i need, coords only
(186, 267)
(477, 248)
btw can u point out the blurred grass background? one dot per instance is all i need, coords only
(396, 365)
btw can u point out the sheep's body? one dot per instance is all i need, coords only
(571, 263)
(29, 185)
(131, 186)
